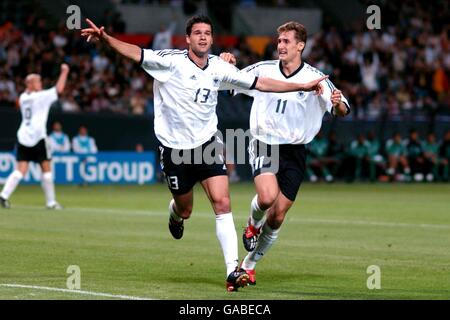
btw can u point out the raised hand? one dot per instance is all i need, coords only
(65, 68)
(336, 96)
(93, 32)
(228, 57)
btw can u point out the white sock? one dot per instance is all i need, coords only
(172, 212)
(226, 233)
(49, 188)
(265, 241)
(11, 184)
(256, 214)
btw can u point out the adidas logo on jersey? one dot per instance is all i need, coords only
(193, 77)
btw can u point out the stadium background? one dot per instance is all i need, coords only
(117, 234)
(396, 78)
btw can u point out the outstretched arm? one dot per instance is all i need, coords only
(61, 83)
(271, 85)
(128, 50)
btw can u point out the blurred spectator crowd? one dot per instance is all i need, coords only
(99, 81)
(402, 70)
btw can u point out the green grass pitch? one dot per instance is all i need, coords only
(118, 236)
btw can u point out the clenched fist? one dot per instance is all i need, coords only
(336, 97)
(65, 67)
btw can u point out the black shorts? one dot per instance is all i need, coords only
(184, 168)
(286, 161)
(38, 153)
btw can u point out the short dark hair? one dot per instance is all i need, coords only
(197, 19)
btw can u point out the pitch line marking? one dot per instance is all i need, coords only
(305, 219)
(90, 293)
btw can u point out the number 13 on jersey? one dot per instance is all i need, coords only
(202, 95)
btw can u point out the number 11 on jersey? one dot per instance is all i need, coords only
(279, 102)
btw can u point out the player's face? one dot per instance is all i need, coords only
(35, 83)
(200, 39)
(289, 48)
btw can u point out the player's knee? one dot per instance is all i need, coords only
(221, 204)
(184, 211)
(266, 200)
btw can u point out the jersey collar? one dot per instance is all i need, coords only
(293, 73)
(204, 68)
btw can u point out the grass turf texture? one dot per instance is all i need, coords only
(119, 238)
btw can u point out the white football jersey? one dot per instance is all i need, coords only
(292, 117)
(34, 107)
(186, 95)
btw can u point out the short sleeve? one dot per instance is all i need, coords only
(47, 97)
(325, 98)
(157, 64)
(251, 70)
(233, 78)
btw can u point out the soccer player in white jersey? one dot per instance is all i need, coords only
(186, 87)
(32, 143)
(287, 121)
